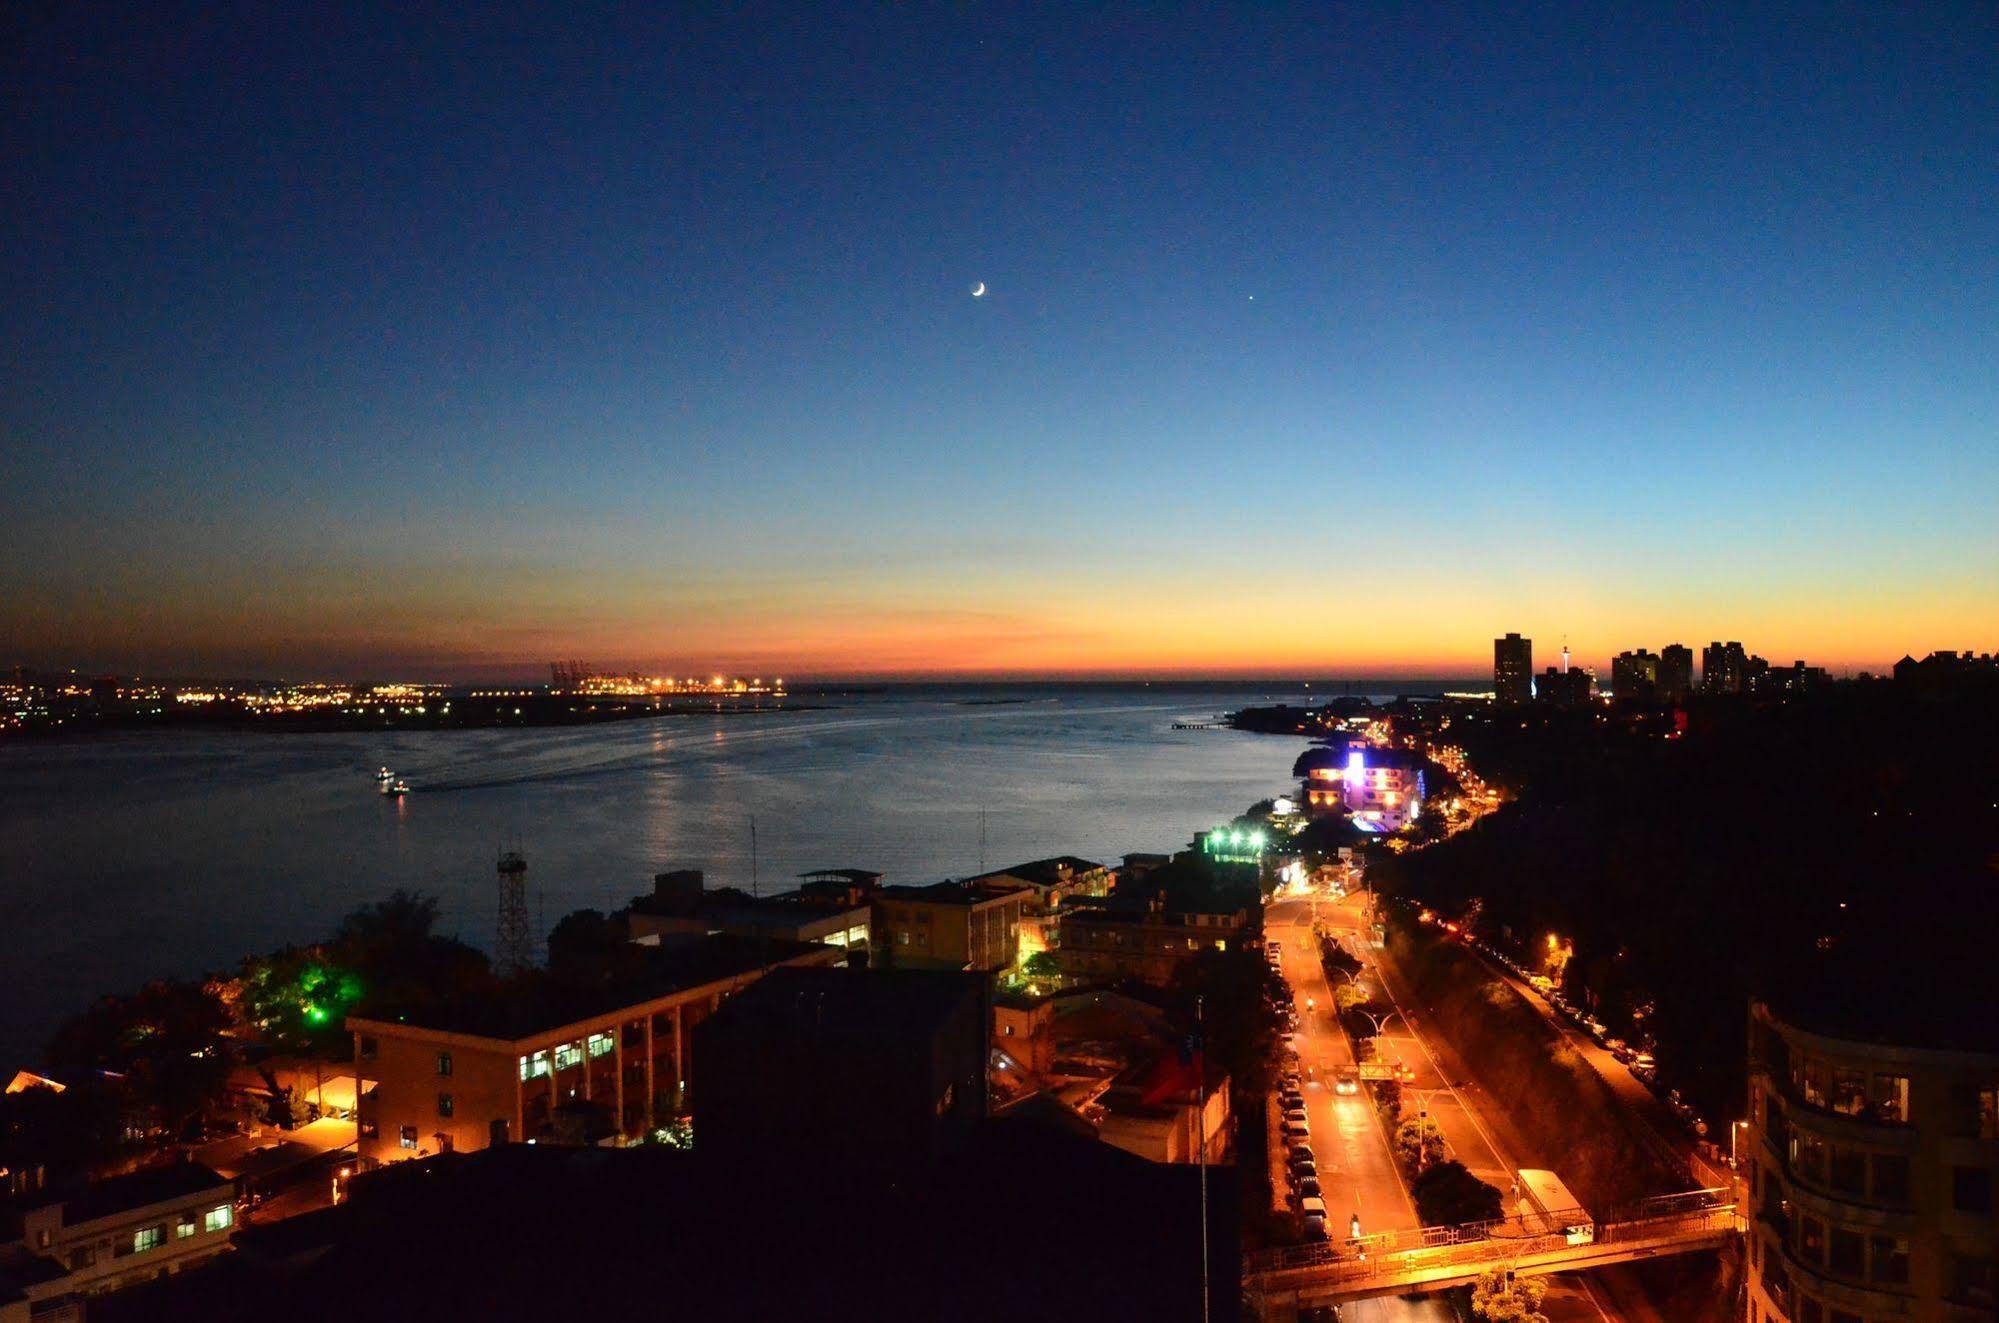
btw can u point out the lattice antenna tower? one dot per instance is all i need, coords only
(513, 949)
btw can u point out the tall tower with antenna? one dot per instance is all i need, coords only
(512, 951)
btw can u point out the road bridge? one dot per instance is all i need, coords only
(1280, 1282)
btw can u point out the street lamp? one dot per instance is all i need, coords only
(1379, 1020)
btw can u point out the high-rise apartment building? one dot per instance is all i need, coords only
(1871, 1173)
(1724, 667)
(1570, 688)
(1512, 670)
(1634, 675)
(1676, 671)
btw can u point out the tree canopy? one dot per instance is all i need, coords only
(1448, 1195)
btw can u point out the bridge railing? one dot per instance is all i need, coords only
(1398, 1254)
(1382, 1243)
(1687, 1201)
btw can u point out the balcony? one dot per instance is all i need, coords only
(1861, 1298)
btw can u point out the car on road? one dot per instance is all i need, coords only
(1347, 1082)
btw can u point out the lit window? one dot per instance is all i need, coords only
(444, 1063)
(1848, 1094)
(147, 1238)
(185, 1227)
(406, 1138)
(218, 1218)
(535, 1066)
(567, 1055)
(444, 1104)
(602, 1043)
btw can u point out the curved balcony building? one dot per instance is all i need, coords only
(1870, 1170)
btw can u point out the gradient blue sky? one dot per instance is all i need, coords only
(341, 339)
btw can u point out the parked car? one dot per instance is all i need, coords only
(1315, 1227)
(1306, 1187)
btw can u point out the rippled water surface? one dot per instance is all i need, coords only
(134, 855)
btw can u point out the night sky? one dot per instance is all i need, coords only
(345, 341)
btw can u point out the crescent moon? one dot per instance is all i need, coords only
(979, 290)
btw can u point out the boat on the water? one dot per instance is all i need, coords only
(385, 776)
(395, 789)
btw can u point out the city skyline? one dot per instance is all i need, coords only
(1327, 343)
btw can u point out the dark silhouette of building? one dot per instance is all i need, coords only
(1724, 668)
(1634, 675)
(1512, 670)
(529, 1233)
(1570, 688)
(1944, 670)
(843, 1069)
(1676, 672)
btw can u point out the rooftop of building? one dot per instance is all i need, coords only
(966, 893)
(22, 1269)
(1049, 872)
(846, 1006)
(728, 905)
(1135, 909)
(538, 1001)
(860, 877)
(667, 1229)
(134, 1189)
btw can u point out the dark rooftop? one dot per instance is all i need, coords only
(539, 1001)
(868, 1006)
(137, 1189)
(858, 876)
(950, 893)
(21, 1269)
(1050, 872)
(668, 1229)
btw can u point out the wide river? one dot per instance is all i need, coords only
(132, 856)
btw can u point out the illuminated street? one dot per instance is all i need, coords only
(1355, 1164)
(1355, 1167)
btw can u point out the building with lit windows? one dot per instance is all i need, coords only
(1139, 939)
(109, 1234)
(950, 925)
(1724, 668)
(837, 916)
(1512, 670)
(1054, 880)
(1380, 789)
(1871, 1170)
(1634, 675)
(542, 1059)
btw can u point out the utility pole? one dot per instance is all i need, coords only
(1201, 1140)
